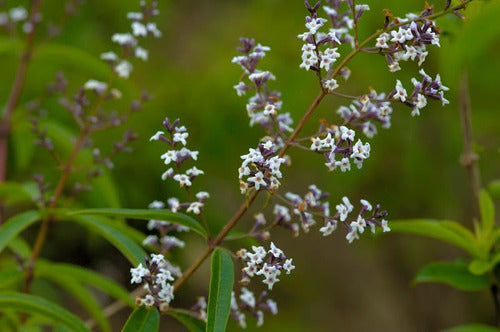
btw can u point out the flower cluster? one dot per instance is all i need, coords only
(261, 167)
(249, 304)
(164, 242)
(357, 226)
(345, 147)
(141, 27)
(425, 88)
(263, 107)
(409, 41)
(155, 276)
(199, 309)
(365, 112)
(270, 268)
(10, 19)
(319, 50)
(178, 136)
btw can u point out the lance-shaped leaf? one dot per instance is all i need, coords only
(81, 294)
(131, 250)
(143, 320)
(147, 214)
(455, 274)
(36, 305)
(87, 277)
(191, 323)
(221, 286)
(447, 231)
(16, 225)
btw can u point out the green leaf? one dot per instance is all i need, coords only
(473, 328)
(494, 189)
(87, 277)
(455, 274)
(36, 305)
(80, 293)
(13, 193)
(16, 225)
(146, 214)
(133, 252)
(20, 247)
(487, 212)
(193, 324)
(143, 320)
(9, 276)
(221, 286)
(479, 266)
(447, 231)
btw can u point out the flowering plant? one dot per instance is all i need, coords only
(330, 42)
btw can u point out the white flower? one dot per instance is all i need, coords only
(124, 39)
(168, 173)
(139, 29)
(150, 239)
(137, 274)
(258, 180)
(202, 195)
(123, 69)
(282, 212)
(270, 110)
(347, 133)
(400, 92)
(182, 179)
(344, 164)
(169, 156)
(247, 297)
(153, 29)
(328, 229)
(347, 203)
(394, 66)
(134, 16)
(384, 226)
(366, 204)
(316, 144)
(148, 300)
(260, 318)
(172, 241)
(307, 63)
(274, 165)
(181, 137)
(195, 207)
(359, 225)
(382, 40)
(399, 36)
(288, 267)
(109, 56)
(330, 84)
(141, 53)
(273, 307)
(275, 251)
(97, 86)
(351, 236)
(270, 281)
(173, 204)
(157, 258)
(314, 24)
(156, 205)
(156, 136)
(18, 14)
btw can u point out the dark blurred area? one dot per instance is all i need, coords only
(413, 171)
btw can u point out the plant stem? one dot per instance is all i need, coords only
(16, 91)
(469, 158)
(496, 301)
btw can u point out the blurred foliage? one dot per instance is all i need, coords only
(413, 170)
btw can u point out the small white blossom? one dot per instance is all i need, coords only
(195, 207)
(109, 56)
(97, 86)
(181, 138)
(328, 229)
(288, 266)
(275, 251)
(138, 273)
(123, 69)
(258, 180)
(183, 180)
(400, 92)
(156, 136)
